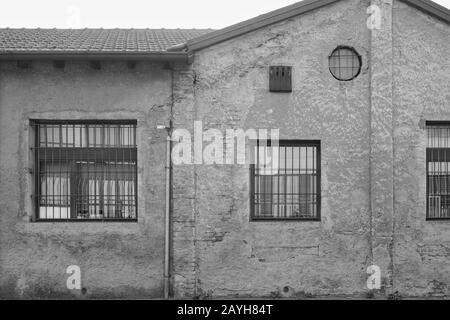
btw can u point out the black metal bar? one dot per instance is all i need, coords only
(285, 182)
(308, 179)
(37, 172)
(252, 191)
(72, 170)
(40, 122)
(318, 181)
(80, 154)
(438, 154)
(437, 170)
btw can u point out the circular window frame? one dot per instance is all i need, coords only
(353, 50)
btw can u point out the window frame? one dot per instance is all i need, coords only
(296, 143)
(432, 123)
(358, 56)
(35, 125)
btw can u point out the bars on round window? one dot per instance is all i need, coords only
(344, 63)
(285, 180)
(438, 170)
(85, 170)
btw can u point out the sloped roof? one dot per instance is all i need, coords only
(92, 41)
(287, 12)
(155, 44)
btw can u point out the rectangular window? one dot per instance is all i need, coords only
(438, 170)
(285, 181)
(85, 170)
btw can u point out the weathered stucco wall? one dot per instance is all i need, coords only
(116, 259)
(218, 252)
(373, 144)
(421, 91)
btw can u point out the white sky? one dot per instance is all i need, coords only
(135, 13)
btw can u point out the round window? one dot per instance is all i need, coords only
(344, 63)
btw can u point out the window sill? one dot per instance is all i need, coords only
(91, 226)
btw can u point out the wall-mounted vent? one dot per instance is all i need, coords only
(280, 79)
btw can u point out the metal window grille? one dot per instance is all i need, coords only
(85, 170)
(438, 170)
(280, 79)
(285, 181)
(344, 63)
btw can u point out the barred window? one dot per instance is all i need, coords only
(85, 170)
(438, 170)
(285, 180)
(344, 63)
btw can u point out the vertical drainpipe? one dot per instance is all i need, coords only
(168, 170)
(167, 219)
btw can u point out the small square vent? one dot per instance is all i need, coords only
(280, 79)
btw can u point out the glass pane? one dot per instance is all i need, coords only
(438, 137)
(88, 184)
(107, 191)
(291, 191)
(50, 135)
(55, 191)
(80, 136)
(95, 136)
(438, 174)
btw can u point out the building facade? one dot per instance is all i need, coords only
(362, 117)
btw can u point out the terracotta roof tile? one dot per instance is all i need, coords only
(94, 40)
